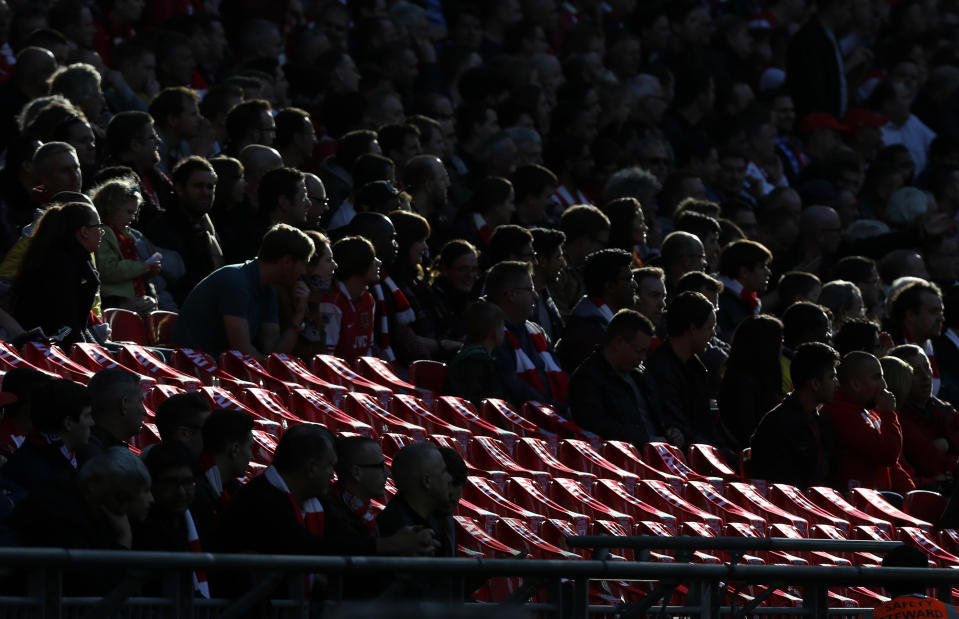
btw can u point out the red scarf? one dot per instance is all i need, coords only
(526, 370)
(482, 229)
(128, 249)
(363, 510)
(310, 513)
(751, 299)
(402, 310)
(193, 540)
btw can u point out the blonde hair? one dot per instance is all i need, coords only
(898, 375)
(114, 194)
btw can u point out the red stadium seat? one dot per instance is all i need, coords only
(709, 462)
(51, 358)
(95, 358)
(627, 457)
(476, 539)
(268, 405)
(949, 539)
(441, 440)
(10, 358)
(490, 454)
(924, 505)
(336, 370)
(556, 530)
(148, 435)
(391, 443)
(159, 325)
(661, 496)
(461, 413)
(246, 367)
(704, 496)
(500, 413)
(379, 371)
(126, 326)
(921, 539)
(264, 445)
(517, 534)
(367, 409)
(483, 517)
(527, 493)
(145, 361)
(816, 557)
(290, 369)
(827, 531)
(313, 407)
(158, 393)
(482, 492)
(747, 496)
(793, 501)
(534, 453)
(872, 502)
(428, 374)
(581, 456)
(668, 459)
(741, 529)
(545, 417)
(200, 365)
(570, 492)
(411, 409)
(830, 500)
(612, 492)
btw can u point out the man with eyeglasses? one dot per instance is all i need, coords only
(180, 418)
(133, 141)
(319, 202)
(361, 473)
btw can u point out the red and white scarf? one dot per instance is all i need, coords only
(566, 199)
(363, 510)
(482, 229)
(931, 353)
(749, 297)
(526, 370)
(402, 310)
(310, 513)
(212, 473)
(193, 540)
(604, 310)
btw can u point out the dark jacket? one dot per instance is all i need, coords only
(789, 447)
(585, 330)
(947, 360)
(601, 400)
(399, 514)
(684, 393)
(38, 463)
(62, 294)
(473, 375)
(813, 71)
(174, 230)
(743, 401)
(732, 311)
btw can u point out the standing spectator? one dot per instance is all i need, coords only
(815, 68)
(794, 442)
(868, 434)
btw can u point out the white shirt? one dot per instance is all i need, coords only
(912, 134)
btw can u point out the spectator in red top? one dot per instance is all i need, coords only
(18, 387)
(114, 24)
(868, 434)
(348, 310)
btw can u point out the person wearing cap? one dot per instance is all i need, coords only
(821, 135)
(863, 132)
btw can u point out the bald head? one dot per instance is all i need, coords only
(816, 218)
(35, 65)
(421, 478)
(379, 230)
(855, 366)
(682, 252)
(257, 160)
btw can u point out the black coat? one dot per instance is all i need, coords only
(173, 229)
(947, 360)
(601, 401)
(787, 450)
(399, 514)
(732, 311)
(743, 401)
(38, 464)
(684, 395)
(813, 72)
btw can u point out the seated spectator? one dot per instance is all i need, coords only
(627, 226)
(348, 309)
(679, 373)
(19, 385)
(794, 442)
(122, 274)
(651, 293)
(611, 393)
(132, 141)
(509, 242)
(453, 278)
(235, 308)
(117, 406)
(915, 317)
(547, 265)
(319, 280)
(492, 205)
(534, 186)
(422, 492)
(868, 434)
(360, 477)
(930, 427)
(945, 347)
(473, 373)
(166, 528)
(180, 418)
(717, 350)
(796, 286)
(681, 253)
(751, 377)
(802, 322)
(58, 283)
(610, 287)
(862, 272)
(744, 272)
(707, 230)
(279, 512)
(456, 467)
(587, 230)
(843, 300)
(227, 450)
(861, 335)
(61, 424)
(282, 198)
(525, 358)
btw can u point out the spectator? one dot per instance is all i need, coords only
(19, 385)
(916, 317)
(180, 417)
(534, 186)
(361, 473)
(820, 233)
(453, 278)
(707, 230)
(493, 205)
(428, 182)
(587, 230)
(610, 287)
(227, 450)
(249, 122)
(548, 263)
(510, 242)
(177, 117)
(946, 347)
(525, 359)
(861, 335)
(752, 377)
(843, 300)
(132, 141)
(169, 527)
(893, 100)
(863, 273)
(57, 282)
(80, 84)
(794, 442)
(473, 374)
(744, 272)
(930, 427)
(717, 350)
(611, 392)
(235, 308)
(295, 138)
(868, 434)
(122, 274)
(796, 286)
(319, 280)
(186, 226)
(627, 226)
(680, 375)
(681, 253)
(348, 309)
(117, 406)
(61, 425)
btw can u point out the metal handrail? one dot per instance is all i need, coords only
(686, 542)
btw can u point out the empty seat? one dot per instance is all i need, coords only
(413, 410)
(872, 502)
(290, 369)
(490, 454)
(661, 496)
(830, 500)
(746, 495)
(379, 371)
(366, 408)
(570, 492)
(778, 529)
(581, 456)
(461, 413)
(52, 359)
(793, 501)
(709, 462)
(428, 375)
(144, 361)
(544, 416)
(159, 325)
(11, 358)
(527, 493)
(921, 539)
(158, 393)
(703, 495)
(268, 405)
(313, 407)
(126, 326)
(517, 533)
(534, 453)
(95, 358)
(668, 459)
(924, 505)
(627, 457)
(202, 366)
(741, 529)
(476, 539)
(500, 413)
(613, 492)
(336, 370)
(246, 367)
(482, 492)
(827, 531)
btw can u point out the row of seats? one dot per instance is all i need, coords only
(534, 477)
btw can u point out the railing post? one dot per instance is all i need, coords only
(46, 587)
(814, 600)
(706, 593)
(580, 599)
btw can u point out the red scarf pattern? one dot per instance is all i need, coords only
(482, 229)
(212, 474)
(363, 510)
(526, 370)
(403, 312)
(200, 583)
(128, 249)
(310, 513)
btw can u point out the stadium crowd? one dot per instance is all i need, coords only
(731, 223)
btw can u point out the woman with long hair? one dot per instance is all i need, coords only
(58, 283)
(751, 378)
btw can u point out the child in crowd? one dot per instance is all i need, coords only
(472, 374)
